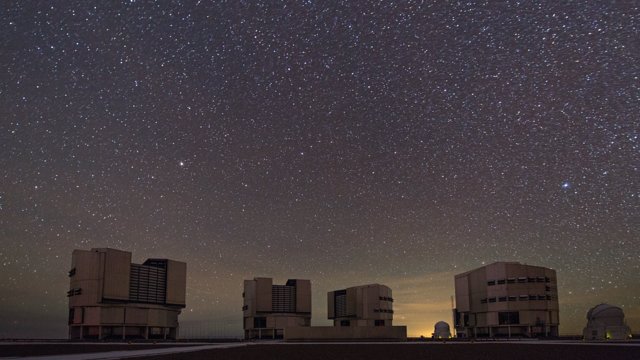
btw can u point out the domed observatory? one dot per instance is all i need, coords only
(606, 322)
(441, 330)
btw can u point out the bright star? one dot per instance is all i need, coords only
(566, 185)
(181, 163)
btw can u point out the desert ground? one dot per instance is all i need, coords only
(548, 350)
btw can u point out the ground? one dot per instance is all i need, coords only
(356, 351)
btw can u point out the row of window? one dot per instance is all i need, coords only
(520, 280)
(384, 298)
(73, 292)
(348, 323)
(515, 298)
(383, 311)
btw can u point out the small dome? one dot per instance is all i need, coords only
(441, 330)
(606, 322)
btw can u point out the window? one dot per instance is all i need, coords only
(72, 272)
(542, 297)
(546, 279)
(491, 282)
(502, 299)
(540, 279)
(547, 288)
(283, 298)
(73, 292)
(345, 323)
(513, 298)
(260, 322)
(502, 281)
(383, 311)
(379, 323)
(340, 301)
(246, 307)
(508, 318)
(71, 315)
(483, 301)
(511, 280)
(531, 280)
(522, 280)
(148, 282)
(492, 300)
(532, 297)
(548, 297)
(524, 297)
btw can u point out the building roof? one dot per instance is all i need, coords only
(499, 263)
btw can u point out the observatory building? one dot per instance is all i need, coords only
(441, 330)
(606, 322)
(359, 313)
(506, 299)
(109, 297)
(366, 305)
(268, 309)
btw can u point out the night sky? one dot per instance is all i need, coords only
(342, 142)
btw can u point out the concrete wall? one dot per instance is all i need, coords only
(462, 293)
(328, 333)
(87, 278)
(249, 299)
(263, 294)
(303, 296)
(115, 274)
(176, 282)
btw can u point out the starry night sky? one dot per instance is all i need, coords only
(343, 142)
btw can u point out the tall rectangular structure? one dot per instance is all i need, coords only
(366, 305)
(109, 297)
(268, 309)
(506, 299)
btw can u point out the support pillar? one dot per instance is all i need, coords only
(81, 332)
(146, 333)
(164, 333)
(124, 332)
(99, 332)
